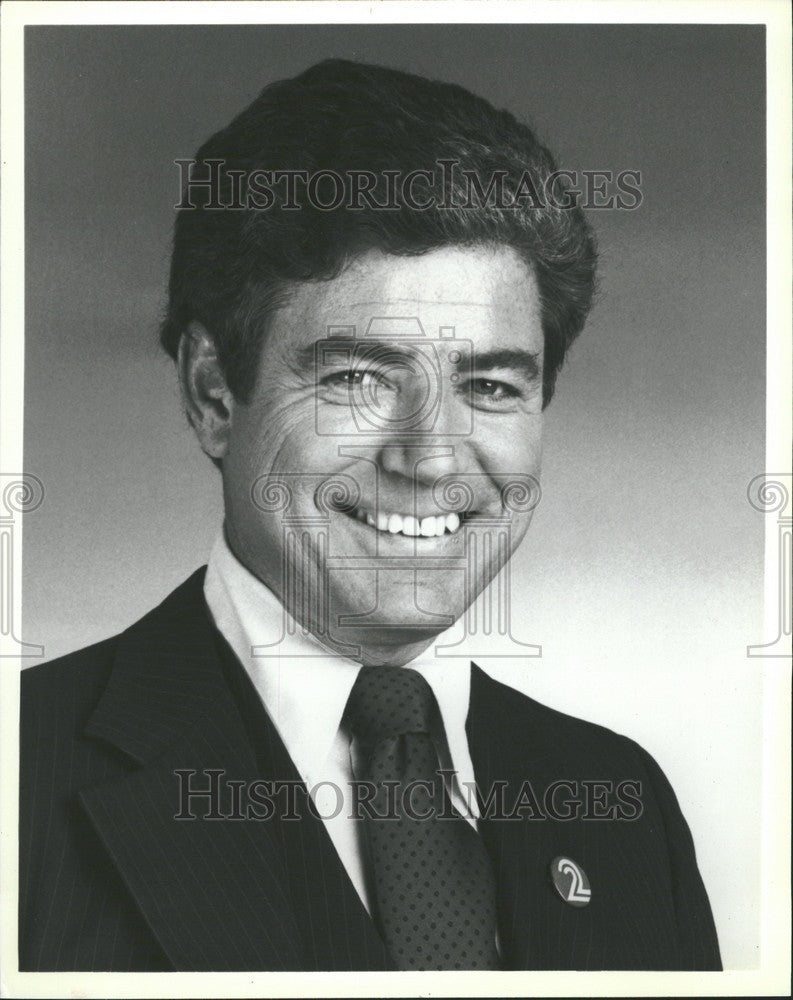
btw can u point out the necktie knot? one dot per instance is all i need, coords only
(389, 701)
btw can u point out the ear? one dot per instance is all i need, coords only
(207, 399)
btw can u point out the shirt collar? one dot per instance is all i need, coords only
(303, 686)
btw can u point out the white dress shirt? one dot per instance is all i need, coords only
(304, 689)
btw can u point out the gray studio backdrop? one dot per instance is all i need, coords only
(642, 573)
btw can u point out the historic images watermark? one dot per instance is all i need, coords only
(390, 379)
(22, 493)
(771, 494)
(209, 794)
(443, 185)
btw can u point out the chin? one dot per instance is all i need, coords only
(399, 620)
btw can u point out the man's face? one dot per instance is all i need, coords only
(366, 480)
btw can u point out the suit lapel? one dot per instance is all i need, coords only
(513, 746)
(338, 933)
(214, 892)
(494, 766)
(218, 894)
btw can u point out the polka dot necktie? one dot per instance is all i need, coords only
(435, 895)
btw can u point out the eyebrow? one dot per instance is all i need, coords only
(513, 359)
(526, 363)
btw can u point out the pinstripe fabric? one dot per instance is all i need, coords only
(649, 909)
(337, 932)
(109, 880)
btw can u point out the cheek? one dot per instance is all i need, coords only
(514, 450)
(280, 440)
(513, 462)
(277, 466)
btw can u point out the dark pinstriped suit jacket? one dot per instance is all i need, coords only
(109, 880)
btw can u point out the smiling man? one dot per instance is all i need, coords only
(394, 423)
(374, 283)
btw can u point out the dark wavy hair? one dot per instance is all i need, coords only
(231, 268)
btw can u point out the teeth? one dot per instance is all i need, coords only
(432, 526)
(427, 527)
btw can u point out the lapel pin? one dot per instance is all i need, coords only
(570, 881)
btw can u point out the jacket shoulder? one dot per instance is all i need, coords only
(531, 724)
(84, 671)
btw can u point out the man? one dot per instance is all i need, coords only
(374, 282)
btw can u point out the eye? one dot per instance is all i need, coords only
(493, 390)
(347, 379)
(488, 387)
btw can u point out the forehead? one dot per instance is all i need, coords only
(487, 295)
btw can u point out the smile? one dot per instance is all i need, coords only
(432, 526)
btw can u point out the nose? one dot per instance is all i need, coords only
(420, 461)
(437, 446)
